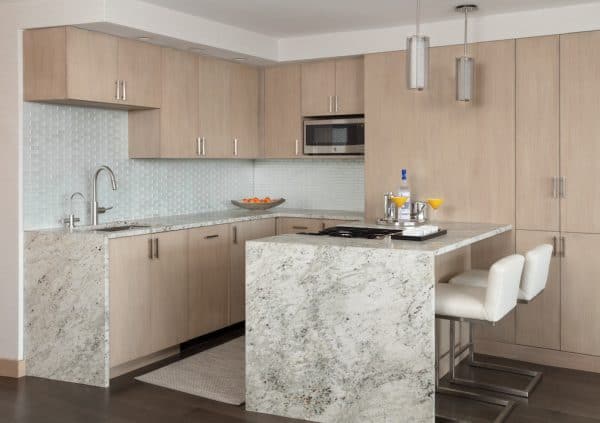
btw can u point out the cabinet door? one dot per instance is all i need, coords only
(140, 70)
(208, 292)
(349, 86)
(169, 290)
(580, 131)
(179, 110)
(580, 290)
(244, 111)
(318, 88)
(537, 127)
(214, 111)
(292, 225)
(91, 66)
(283, 112)
(240, 233)
(130, 299)
(538, 323)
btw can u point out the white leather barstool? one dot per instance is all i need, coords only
(533, 282)
(486, 305)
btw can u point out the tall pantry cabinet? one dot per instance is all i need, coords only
(558, 175)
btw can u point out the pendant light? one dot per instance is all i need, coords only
(465, 65)
(417, 57)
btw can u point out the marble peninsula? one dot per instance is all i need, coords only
(342, 330)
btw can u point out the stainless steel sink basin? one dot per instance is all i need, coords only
(122, 228)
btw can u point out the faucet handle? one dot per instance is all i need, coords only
(103, 209)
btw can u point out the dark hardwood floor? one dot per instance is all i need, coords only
(562, 396)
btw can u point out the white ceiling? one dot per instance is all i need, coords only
(287, 18)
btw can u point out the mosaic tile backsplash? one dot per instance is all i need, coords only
(64, 144)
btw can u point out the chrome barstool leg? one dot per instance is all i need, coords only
(507, 405)
(535, 375)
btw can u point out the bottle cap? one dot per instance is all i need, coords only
(403, 173)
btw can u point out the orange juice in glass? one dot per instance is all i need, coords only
(399, 201)
(435, 203)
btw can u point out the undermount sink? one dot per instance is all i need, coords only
(122, 228)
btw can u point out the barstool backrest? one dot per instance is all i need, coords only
(535, 272)
(504, 280)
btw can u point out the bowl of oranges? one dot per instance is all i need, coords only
(255, 203)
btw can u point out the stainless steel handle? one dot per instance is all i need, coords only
(554, 245)
(555, 187)
(235, 146)
(235, 241)
(297, 148)
(203, 146)
(337, 109)
(118, 90)
(211, 236)
(563, 250)
(300, 227)
(123, 90)
(150, 251)
(198, 146)
(562, 187)
(156, 248)
(330, 104)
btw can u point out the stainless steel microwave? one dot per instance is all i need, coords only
(334, 136)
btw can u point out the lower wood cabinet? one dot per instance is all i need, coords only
(538, 323)
(208, 265)
(148, 294)
(240, 233)
(580, 291)
(293, 225)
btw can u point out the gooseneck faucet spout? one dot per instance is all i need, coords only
(95, 209)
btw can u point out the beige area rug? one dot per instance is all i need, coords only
(217, 374)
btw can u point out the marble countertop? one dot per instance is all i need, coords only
(459, 235)
(180, 222)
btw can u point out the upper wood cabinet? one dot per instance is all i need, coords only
(333, 87)
(74, 66)
(228, 109)
(283, 112)
(580, 131)
(537, 133)
(240, 233)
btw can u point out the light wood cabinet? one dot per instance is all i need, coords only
(148, 294)
(208, 294)
(580, 290)
(228, 110)
(333, 87)
(169, 286)
(580, 131)
(537, 133)
(538, 322)
(283, 112)
(240, 233)
(130, 301)
(75, 66)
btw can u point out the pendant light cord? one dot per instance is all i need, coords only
(418, 17)
(465, 45)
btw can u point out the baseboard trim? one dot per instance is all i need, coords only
(138, 363)
(12, 368)
(567, 360)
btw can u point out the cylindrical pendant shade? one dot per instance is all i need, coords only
(465, 73)
(417, 62)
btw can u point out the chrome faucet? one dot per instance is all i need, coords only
(95, 209)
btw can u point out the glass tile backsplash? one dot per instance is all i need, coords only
(64, 144)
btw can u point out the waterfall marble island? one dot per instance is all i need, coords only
(342, 330)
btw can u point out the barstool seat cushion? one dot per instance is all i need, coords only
(460, 301)
(478, 278)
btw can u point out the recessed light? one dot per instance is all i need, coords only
(240, 59)
(144, 38)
